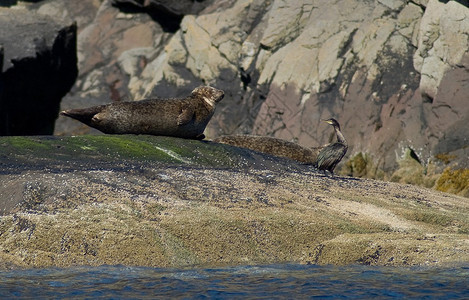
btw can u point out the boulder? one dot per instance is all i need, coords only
(39, 68)
(167, 202)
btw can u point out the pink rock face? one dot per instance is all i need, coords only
(449, 114)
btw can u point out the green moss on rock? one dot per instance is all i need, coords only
(49, 150)
(22, 143)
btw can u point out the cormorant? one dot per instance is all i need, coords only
(332, 154)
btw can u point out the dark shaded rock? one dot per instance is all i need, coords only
(7, 3)
(167, 13)
(40, 67)
(1, 68)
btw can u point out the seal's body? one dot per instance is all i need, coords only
(178, 117)
(273, 146)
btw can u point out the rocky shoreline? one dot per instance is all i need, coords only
(168, 202)
(393, 72)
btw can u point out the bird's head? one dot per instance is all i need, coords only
(332, 122)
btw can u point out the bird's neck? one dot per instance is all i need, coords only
(340, 136)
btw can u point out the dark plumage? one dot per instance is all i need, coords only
(180, 117)
(332, 154)
(273, 146)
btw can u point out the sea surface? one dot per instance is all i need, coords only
(287, 281)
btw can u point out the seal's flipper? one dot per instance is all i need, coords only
(84, 115)
(185, 116)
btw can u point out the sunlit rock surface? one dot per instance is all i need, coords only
(167, 202)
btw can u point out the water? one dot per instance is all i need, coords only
(259, 282)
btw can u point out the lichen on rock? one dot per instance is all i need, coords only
(454, 181)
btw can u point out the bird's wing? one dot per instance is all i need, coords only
(330, 154)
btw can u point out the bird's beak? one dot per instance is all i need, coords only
(327, 121)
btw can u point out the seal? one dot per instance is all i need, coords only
(273, 146)
(179, 117)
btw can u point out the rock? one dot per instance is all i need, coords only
(1, 60)
(411, 170)
(167, 13)
(168, 202)
(81, 12)
(330, 71)
(442, 43)
(7, 3)
(447, 114)
(393, 72)
(39, 68)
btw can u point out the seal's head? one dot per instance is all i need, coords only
(210, 95)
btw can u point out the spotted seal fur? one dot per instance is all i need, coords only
(179, 117)
(273, 146)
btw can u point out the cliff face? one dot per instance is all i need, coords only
(392, 72)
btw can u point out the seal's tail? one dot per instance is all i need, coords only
(84, 115)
